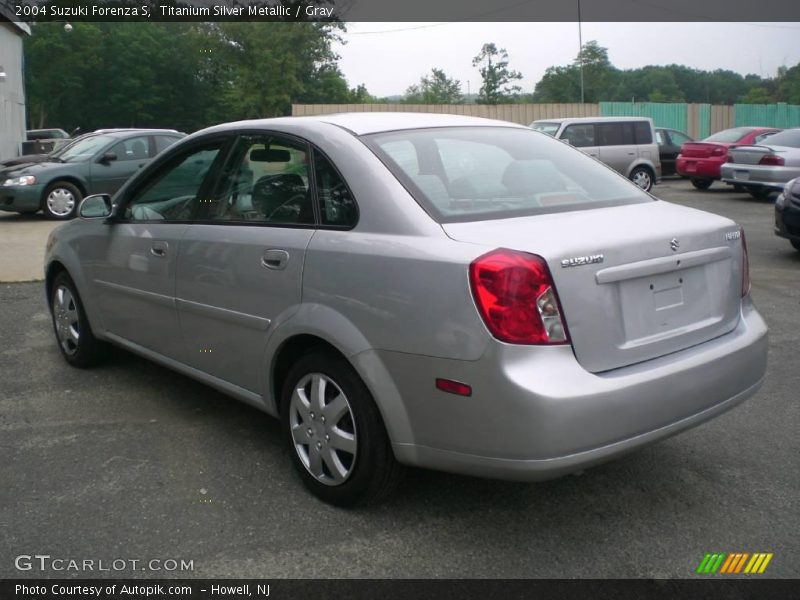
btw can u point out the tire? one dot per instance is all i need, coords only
(60, 200)
(795, 244)
(73, 333)
(701, 184)
(363, 468)
(643, 178)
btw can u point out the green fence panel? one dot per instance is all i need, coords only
(766, 115)
(705, 122)
(671, 115)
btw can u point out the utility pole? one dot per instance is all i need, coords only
(580, 48)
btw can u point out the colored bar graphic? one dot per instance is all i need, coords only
(734, 563)
(764, 564)
(741, 561)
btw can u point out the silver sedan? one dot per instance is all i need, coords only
(407, 289)
(765, 168)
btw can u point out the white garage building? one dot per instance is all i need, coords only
(12, 91)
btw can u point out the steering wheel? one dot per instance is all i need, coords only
(297, 198)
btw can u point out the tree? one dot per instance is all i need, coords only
(436, 89)
(497, 77)
(789, 85)
(599, 76)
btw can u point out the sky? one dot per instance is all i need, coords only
(389, 57)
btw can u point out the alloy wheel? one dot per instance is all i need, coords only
(323, 429)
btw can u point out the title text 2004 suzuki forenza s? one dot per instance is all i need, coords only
(439, 291)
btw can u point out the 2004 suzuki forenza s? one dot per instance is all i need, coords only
(439, 291)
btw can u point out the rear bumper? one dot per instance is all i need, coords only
(763, 176)
(699, 168)
(20, 198)
(535, 413)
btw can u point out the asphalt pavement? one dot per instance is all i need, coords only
(130, 461)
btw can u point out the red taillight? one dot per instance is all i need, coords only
(719, 151)
(516, 298)
(745, 267)
(772, 160)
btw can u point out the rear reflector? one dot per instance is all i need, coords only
(516, 298)
(453, 387)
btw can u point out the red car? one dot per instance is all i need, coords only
(700, 161)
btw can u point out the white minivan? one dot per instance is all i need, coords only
(626, 144)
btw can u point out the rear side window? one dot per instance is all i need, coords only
(337, 205)
(478, 173)
(615, 134)
(643, 132)
(164, 141)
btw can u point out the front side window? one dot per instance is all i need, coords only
(265, 181)
(498, 172)
(580, 136)
(136, 148)
(174, 193)
(548, 128)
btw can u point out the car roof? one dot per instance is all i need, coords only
(362, 123)
(591, 119)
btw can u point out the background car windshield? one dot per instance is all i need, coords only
(789, 138)
(729, 135)
(85, 148)
(548, 128)
(477, 173)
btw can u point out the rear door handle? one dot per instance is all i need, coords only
(159, 249)
(275, 259)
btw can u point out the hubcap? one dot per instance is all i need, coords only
(65, 317)
(323, 429)
(642, 179)
(60, 202)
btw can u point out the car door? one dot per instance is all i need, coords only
(240, 265)
(617, 145)
(134, 269)
(108, 174)
(671, 148)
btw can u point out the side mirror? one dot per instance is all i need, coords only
(108, 157)
(96, 206)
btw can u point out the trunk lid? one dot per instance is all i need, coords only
(703, 149)
(644, 299)
(750, 155)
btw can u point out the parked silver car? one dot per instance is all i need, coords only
(409, 289)
(626, 144)
(765, 168)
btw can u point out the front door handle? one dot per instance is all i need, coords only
(275, 259)
(159, 249)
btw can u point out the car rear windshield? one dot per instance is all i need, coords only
(478, 173)
(729, 135)
(789, 138)
(548, 128)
